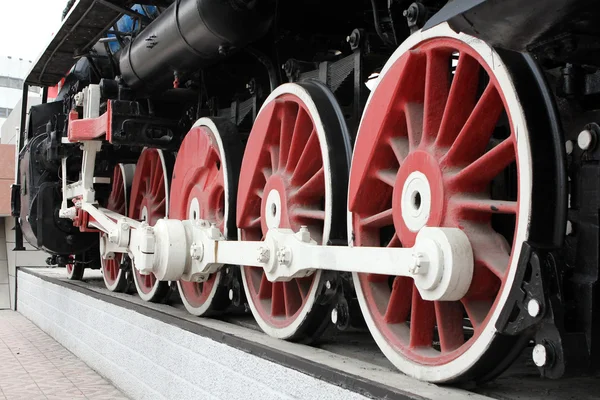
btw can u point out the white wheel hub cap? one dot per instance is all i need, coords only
(416, 201)
(273, 209)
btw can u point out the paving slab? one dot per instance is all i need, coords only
(35, 366)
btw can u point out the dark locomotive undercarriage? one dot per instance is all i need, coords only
(154, 100)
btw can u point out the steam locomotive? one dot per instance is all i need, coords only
(429, 170)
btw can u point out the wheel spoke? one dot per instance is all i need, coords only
(467, 204)
(379, 220)
(414, 124)
(212, 176)
(156, 182)
(308, 213)
(475, 135)
(274, 152)
(489, 248)
(159, 208)
(494, 259)
(314, 187)
(309, 162)
(449, 317)
(400, 146)
(422, 321)
(436, 92)
(266, 287)
(387, 176)
(211, 157)
(398, 307)
(293, 299)
(481, 172)
(302, 131)
(218, 184)
(477, 310)
(267, 172)
(395, 241)
(303, 286)
(289, 113)
(484, 284)
(461, 99)
(255, 223)
(277, 300)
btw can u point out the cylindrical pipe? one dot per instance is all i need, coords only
(192, 34)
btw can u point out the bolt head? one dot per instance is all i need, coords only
(303, 234)
(263, 255)
(196, 252)
(416, 266)
(585, 139)
(334, 316)
(230, 294)
(540, 355)
(534, 307)
(328, 285)
(284, 256)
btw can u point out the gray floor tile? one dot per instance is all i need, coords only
(35, 366)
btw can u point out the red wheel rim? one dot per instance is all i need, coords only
(283, 156)
(420, 120)
(198, 176)
(148, 201)
(116, 202)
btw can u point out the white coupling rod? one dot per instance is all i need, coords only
(441, 262)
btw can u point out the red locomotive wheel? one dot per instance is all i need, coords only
(115, 278)
(149, 202)
(204, 187)
(286, 182)
(448, 147)
(75, 270)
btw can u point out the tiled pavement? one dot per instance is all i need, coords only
(34, 366)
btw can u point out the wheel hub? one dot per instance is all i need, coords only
(418, 197)
(274, 205)
(194, 211)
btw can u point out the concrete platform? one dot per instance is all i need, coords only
(35, 366)
(161, 351)
(155, 351)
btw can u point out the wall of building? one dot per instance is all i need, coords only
(10, 128)
(13, 71)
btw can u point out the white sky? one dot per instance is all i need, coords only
(26, 26)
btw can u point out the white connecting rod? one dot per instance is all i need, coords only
(441, 262)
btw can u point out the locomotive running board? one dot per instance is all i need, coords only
(144, 348)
